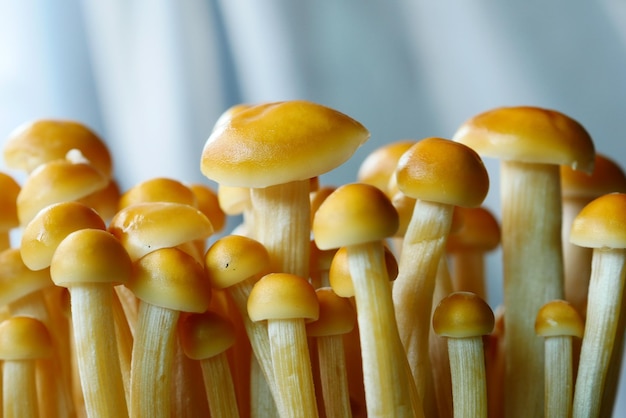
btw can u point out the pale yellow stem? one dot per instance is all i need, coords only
(334, 376)
(468, 272)
(219, 387)
(559, 381)
(576, 259)
(469, 385)
(19, 389)
(188, 393)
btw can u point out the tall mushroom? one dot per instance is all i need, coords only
(532, 143)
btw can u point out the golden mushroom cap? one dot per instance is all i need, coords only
(159, 189)
(208, 204)
(282, 296)
(607, 177)
(336, 315)
(559, 318)
(478, 229)
(275, 143)
(601, 223)
(104, 201)
(443, 171)
(42, 235)
(232, 199)
(8, 202)
(90, 256)
(529, 134)
(380, 165)
(172, 279)
(24, 338)
(35, 143)
(233, 259)
(17, 280)
(354, 213)
(463, 315)
(205, 335)
(145, 227)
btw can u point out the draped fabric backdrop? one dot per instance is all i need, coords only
(153, 76)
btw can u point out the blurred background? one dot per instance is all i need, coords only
(152, 77)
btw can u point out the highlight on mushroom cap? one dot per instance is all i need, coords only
(559, 318)
(602, 223)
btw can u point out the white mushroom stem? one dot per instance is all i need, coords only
(333, 376)
(467, 367)
(219, 387)
(605, 294)
(19, 389)
(559, 381)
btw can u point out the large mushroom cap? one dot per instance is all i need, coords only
(602, 223)
(529, 134)
(275, 143)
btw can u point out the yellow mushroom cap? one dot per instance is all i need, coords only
(529, 134)
(559, 318)
(90, 256)
(205, 335)
(8, 202)
(160, 189)
(104, 201)
(380, 165)
(172, 279)
(24, 338)
(233, 259)
(42, 235)
(607, 177)
(602, 223)
(354, 213)
(275, 143)
(145, 227)
(443, 171)
(463, 315)
(35, 143)
(17, 280)
(232, 199)
(336, 315)
(208, 204)
(478, 229)
(282, 296)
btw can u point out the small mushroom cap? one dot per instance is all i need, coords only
(282, 296)
(205, 335)
(24, 338)
(354, 213)
(208, 204)
(42, 235)
(104, 201)
(160, 189)
(529, 134)
(607, 177)
(602, 223)
(443, 171)
(35, 143)
(380, 165)
(8, 202)
(275, 143)
(463, 315)
(17, 280)
(478, 230)
(233, 259)
(145, 227)
(559, 318)
(172, 279)
(90, 256)
(233, 200)
(336, 315)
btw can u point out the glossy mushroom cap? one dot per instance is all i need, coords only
(336, 315)
(462, 315)
(17, 280)
(208, 204)
(276, 143)
(160, 189)
(282, 296)
(233, 259)
(8, 202)
(529, 134)
(607, 177)
(24, 338)
(559, 318)
(42, 235)
(477, 229)
(602, 223)
(205, 335)
(90, 256)
(35, 143)
(354, 213)
(443, 171)
(172, 279)
(104, 201)
(380, 165)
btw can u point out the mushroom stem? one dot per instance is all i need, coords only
(334, 376)
(218, 383)
(467, 367)
(558, 376)
(19, 389)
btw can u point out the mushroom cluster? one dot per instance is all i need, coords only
(363, 299)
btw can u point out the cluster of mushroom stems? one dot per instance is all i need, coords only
(367, 298)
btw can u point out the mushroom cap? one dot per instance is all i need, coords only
(336, 315)
(529, 134)
(380, 165)
(463, 315)
(104, 201)
(160, 189)
(172, 279)
(354, 213)
(54, 182)
(276, 143)
(607, 177)
(233, 259)
(559, 318)
(90, 256)
(42, 235)
(232, 199)
(282, 296)
(8, 202)
(205, 335)
(24, 338)
(443, 171)
(17, 280)
(208, 204)
(601, 223)
(478, 230)
(35, 143)
(145, 227)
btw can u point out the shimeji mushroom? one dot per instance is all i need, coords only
(531, 143)
(8, 209)
(159, 189)
(380, 165)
